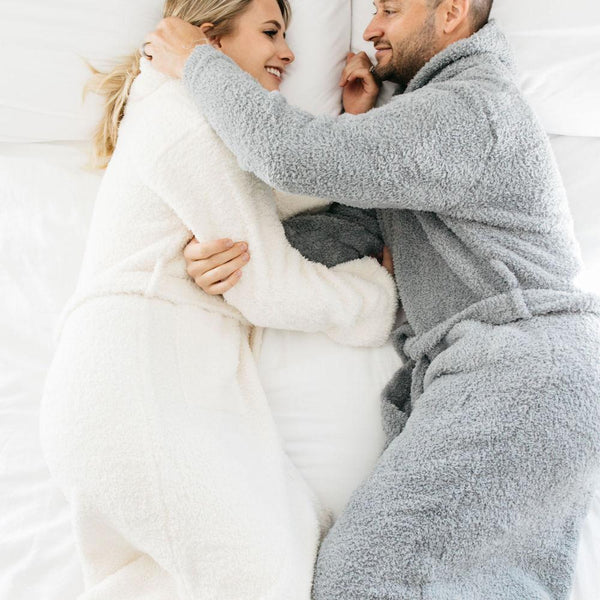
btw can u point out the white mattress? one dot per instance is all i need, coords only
(46, 200)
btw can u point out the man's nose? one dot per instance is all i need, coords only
(373, 31)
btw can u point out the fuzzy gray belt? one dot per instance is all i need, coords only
(418, 351)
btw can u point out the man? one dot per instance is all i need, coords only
(493, 422)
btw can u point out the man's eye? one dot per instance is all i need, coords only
(271, 33)
(385, 12)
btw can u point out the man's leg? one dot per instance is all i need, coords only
(482, 494)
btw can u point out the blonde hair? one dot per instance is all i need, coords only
(115, 85)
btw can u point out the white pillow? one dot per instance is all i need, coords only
(557, 48)
(319, 36)
(43, 46)
(326, 401)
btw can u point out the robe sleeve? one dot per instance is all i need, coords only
(425, 150)
(354, 303)
(335, 234)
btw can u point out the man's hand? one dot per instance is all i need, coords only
(171, 44)
(360, 86)
(386, 261)
(215, 266)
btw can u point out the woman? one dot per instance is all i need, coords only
(154, 422)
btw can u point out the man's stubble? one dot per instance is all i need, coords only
(410, 55)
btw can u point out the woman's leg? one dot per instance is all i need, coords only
(163, 445)
(482, 494)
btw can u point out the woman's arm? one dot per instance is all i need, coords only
(354, 303)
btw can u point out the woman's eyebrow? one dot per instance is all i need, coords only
(276, 23)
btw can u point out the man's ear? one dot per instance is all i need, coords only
(214, 41)
(456, 15)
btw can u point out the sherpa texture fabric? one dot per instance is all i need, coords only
(336, 235)
(154, 422)
(493, 422)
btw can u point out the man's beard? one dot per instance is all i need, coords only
(409, 55)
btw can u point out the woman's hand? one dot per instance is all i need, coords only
(171, 44)
(215, 266)
(360, 86)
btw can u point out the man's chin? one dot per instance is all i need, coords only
(383, 72)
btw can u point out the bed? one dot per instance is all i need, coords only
(46, 201)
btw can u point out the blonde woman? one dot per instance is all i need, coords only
(154, 422)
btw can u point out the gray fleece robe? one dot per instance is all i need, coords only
(494, 421)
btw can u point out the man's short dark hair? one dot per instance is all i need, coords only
(479, 13)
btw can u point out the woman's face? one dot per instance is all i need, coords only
(258, 44)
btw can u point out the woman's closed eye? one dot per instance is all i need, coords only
(271, 33)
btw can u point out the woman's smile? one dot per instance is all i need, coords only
(277, 72)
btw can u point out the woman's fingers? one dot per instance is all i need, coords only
(205, 277)
(213, 265)
(224, 286)
(223, 258)
(196, 250)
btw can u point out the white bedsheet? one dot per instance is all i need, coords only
(46, 201)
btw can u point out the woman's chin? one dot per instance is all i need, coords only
(269, 83)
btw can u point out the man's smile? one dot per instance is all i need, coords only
(382, 50)
(382, 53)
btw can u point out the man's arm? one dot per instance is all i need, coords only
(423, 151)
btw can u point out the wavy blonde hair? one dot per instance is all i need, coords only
(115, 85)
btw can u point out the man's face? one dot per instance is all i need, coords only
(404, 35)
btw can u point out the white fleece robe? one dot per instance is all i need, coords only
(154, 422)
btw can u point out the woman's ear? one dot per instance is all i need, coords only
(214, 41)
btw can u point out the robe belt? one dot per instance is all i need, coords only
(418, 351)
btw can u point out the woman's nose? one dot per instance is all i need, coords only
(286, 55)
